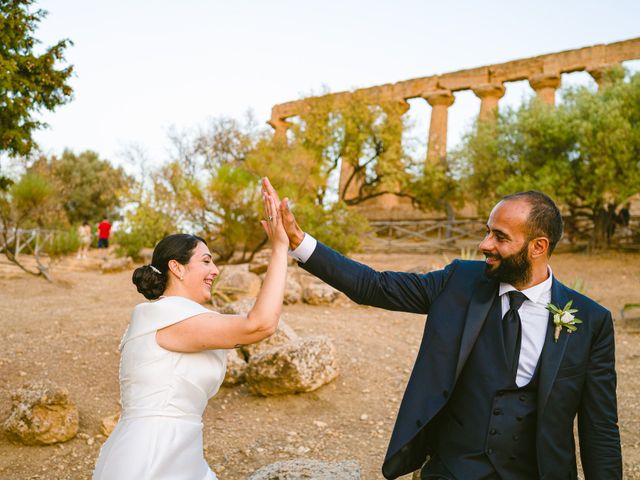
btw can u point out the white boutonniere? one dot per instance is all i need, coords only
(563, 318)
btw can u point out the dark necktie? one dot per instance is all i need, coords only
(512, 331)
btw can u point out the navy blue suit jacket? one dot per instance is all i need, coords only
(577, 373)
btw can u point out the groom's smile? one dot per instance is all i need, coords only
(506, 244)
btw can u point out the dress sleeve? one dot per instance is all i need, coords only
(152, 316)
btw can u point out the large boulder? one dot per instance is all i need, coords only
(41, 414)
(116, 264)
(292, 291)
(283, 335)
(317, 293)
(302, 365)
(260, 262)
(236, 282)
(305, 469)
(236, 367)
(239, 307)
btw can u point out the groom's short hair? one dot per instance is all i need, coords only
(544, 219)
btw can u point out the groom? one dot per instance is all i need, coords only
(496, 385)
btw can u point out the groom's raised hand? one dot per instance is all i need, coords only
(294, 232)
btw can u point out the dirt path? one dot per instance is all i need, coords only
(69, 332)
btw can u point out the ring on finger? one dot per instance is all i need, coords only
(270, 218)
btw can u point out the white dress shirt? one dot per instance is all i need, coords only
(534, 316)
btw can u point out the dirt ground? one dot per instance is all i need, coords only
(69, 332)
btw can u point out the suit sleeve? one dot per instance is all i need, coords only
(597, 415)
(400, 291)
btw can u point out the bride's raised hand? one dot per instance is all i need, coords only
(272, 223)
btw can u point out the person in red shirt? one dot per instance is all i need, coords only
(104, 230)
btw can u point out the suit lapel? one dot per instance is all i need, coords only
(481, 300)
(552, 351)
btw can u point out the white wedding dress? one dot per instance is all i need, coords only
(163, 395)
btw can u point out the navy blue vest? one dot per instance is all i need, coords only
(488, 428)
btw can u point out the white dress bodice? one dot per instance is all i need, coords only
(163, 396)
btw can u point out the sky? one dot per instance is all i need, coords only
(143, 67)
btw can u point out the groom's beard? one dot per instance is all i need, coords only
(514, 269)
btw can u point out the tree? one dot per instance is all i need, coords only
(360, 134)
(585, 153)
(208, 190)
(28, 82)
(211, 187)
(89, 188)
(143, 226)
(300, 177)
(29, 202)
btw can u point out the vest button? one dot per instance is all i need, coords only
(516, 437)
(489, 451)
(500, 393)
(522, 398)
(497, 411)
(493, 431)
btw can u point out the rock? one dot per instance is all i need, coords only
(302, 365)
(239, 307)
(306, 469)
(41, 414)
(284, 334)
(107, 424)
(292, 291)
(236, 366)
(116, 264)
(319, 293)
(237, 282)
(260, 262)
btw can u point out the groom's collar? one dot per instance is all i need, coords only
(533, 293)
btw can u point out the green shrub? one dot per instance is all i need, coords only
(143, 227)
(63, 243)
(129, 244)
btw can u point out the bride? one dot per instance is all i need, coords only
(173, 357)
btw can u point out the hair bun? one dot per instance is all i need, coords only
(149, 283)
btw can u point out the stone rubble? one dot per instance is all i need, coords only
(302, 365)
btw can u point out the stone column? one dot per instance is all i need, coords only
(600, 74)
(545, 85)
(280, 126)
(489, 94)
(440, 101)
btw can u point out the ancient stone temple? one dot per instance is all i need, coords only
(542, 72)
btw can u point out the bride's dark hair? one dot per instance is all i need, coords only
(178, 247)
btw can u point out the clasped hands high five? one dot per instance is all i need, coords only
(294, 232)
